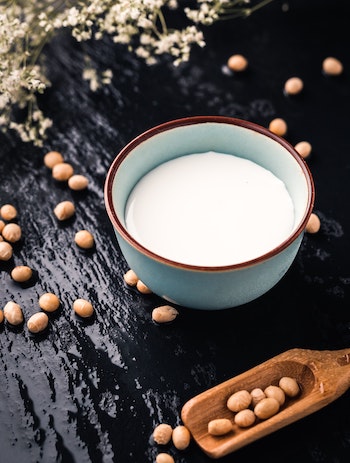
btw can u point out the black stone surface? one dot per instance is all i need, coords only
(93, 391)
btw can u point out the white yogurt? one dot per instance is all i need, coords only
(210, 209)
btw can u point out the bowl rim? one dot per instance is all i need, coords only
(190, 120)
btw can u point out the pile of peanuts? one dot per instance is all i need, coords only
(331, 67)
(256, 404)
(11, 233)
(163, 434)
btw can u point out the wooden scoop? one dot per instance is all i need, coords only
(322, 376)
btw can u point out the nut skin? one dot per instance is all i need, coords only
(37, 322)
(13, 313)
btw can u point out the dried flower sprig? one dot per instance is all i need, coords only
(26, 26)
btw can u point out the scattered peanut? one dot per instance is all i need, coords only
(52, 158)
(84, 239)
(6, 250)
(130, 278)
(8, 212)
(278, 126)
(304, 148)
(78, 182)
(140, 285)
(293, 86)
(237, 63)
(1, 315)
(12, 232)
(239, 401)
(13, 313)
(164, 458)
(49, 302)
(332, 66)
(37, 322)
(2, 224)
(62, 171)
(266, 408)
(276, 393)
(64, 210)
(245, 418)
(162, 434)
(257, 395)
(313, 225)
(181, 437)
(219, 426)
(83, 308)
(289, 386)
(21, 273)
(164, 314)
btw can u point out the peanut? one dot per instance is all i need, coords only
(181, 437)
(62, 171)
(314, 224)
(332, 66)
(219, 427)
(6, 251)
(289, 386)
(21, 273)
(293, 85)
(37, 322)
(245, 418)
(8, 212)
(130, 278)
(83, 308)
(237, 63)
(49, 302)
(164, 314)
(84, 239)
(266, 408)
(277, 393)
(162, 434)
(239, 401)
(52, 158)
(257, 395)
(12, 232)
(140, 285)
(1, 316)
(64, 210)
(78, 182)
(304, 148)
(13, 313)
(278, 126)
(164, 458)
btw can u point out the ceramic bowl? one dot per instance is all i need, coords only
(198, 286)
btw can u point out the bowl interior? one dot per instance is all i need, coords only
(248, 141)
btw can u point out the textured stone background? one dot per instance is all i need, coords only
(93, 391)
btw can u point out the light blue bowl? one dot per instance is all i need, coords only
(201, 287)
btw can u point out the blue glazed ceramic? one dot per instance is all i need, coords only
(201, 287)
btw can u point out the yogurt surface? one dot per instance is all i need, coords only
(210, 209)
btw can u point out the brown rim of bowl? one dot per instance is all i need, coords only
(200, 120)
